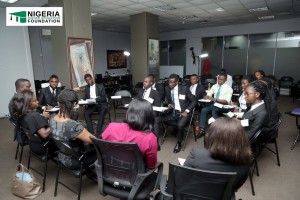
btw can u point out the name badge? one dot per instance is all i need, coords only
(182, 96)
(150, 100)
(245, 122)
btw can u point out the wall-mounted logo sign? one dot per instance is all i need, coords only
(34, 16)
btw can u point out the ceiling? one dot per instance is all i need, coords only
(114, 15)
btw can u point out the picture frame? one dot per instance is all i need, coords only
(81, 61)
(116, 59)
(153, 56)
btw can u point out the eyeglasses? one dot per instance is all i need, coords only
(248, 93)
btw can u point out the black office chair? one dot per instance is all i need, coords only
(191, 183)
(285, 82)
(188, 126)
(138, 86)
(119, 104)
(47, 151)
(66, 149)
(208, 83)
(121, 171)
(21, 139)
(272, 139)
(254, 167)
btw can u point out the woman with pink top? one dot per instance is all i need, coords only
(136, 128)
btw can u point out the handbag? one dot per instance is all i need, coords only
(24, 184)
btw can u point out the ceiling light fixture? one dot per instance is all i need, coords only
(204, 55)
(258, 9)
(126, 53)
(93, 14)
(266, 17)
(9, 1)
(189, 17)
(164, 8)
(203, 22)
(220, 9)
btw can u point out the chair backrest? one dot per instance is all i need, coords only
(65, 148)
(255, 136)
(123, 93)
(120, 162)
(191, 183)
(286, 81)
(34, 138)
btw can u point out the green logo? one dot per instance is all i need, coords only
(19, 15)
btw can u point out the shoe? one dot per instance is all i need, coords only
(177, 147)
(201, 134)
(158, 148)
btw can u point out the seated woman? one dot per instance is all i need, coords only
(24, 108)
(242, 101)
(67, 130)
(221, 153)
(259, 74)
(257, 94)
(137, 128)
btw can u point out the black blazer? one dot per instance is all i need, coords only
(200, 92)
(161, 89)
(153, 94)
(188, 103)
(100, 93)
(257, 119)
(200, 158)
(47, 98)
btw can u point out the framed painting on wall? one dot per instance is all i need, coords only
(116, 59)
(81, 61)
(153, 56)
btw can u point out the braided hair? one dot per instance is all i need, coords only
(262, 88)
(67, 99)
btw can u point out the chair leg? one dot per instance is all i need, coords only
(56, 181)
(293, 146)
(17, 151)
(80, 182)
(277, 153)
(28, 163)
(256, 167)
(251, 182)
(21, 154)
(45, 171)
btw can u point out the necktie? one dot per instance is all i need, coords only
(173, 103)
(53, 92)
(218, 93)
(144, 93)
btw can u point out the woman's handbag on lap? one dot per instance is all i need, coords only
(24, 183)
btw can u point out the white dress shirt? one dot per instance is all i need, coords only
(93, 91)
(225, 93)
(176, 98)
(193, 89)
(256, 105)
(146, 93)
(242, 102)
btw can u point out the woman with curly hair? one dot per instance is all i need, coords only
(70, 131)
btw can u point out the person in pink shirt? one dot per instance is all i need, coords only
(136, 128)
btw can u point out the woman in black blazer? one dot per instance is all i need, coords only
(258, 96)
(222, 152)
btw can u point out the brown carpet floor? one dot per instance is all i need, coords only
(277, 183)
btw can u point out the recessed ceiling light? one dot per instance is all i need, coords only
(189, 17)
(9, 1)
(267, 17)
(93, 14)
(258, 9)
(164, 8)
(203, 22)
(220, 9)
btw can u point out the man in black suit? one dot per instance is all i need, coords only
(95, 91)
(149, 93)
(196, 89)
(48, 96)
(180, 102)
(158, 87)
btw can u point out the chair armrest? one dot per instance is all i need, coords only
(141, 177)
(163, 184)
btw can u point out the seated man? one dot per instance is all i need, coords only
(148, 93)
(196, 89)
(95, 91)
(158, 87)
(48, 96)
(180, 102)
(222, 94)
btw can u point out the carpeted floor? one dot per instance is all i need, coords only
(277, 183)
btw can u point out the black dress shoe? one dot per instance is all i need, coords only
(201, 134)
(177, 147)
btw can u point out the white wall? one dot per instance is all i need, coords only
(15, 60)
(102, 41)
(194, 36)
